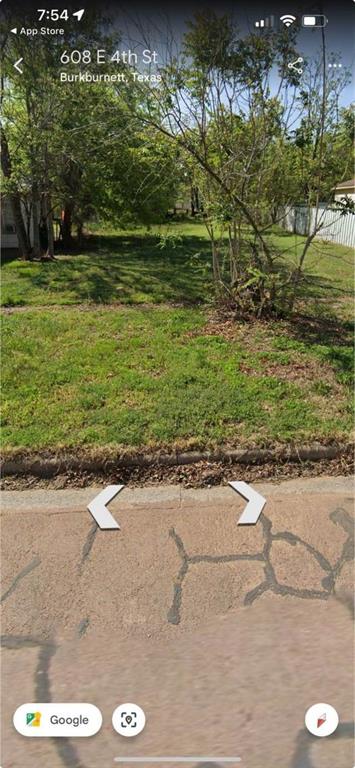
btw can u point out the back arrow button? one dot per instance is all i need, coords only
(16, 65)
(99, 510)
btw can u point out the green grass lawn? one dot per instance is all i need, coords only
(126, 267)
(135, 267)
(158, 376)
(140, 372)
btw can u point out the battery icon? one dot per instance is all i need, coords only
(317, 20)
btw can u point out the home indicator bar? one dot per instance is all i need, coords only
(215, 759)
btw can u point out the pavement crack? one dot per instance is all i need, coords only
(304, 594)
(63, 746)
(342, 518)
(270, 582)
(89, 543)
(223, 558)
(346, 556)
(17, 642)
(83, 626)
(174, 613)
(86, 551)
(25, 571)
(293, 539)
(328, 583)
(42, 687)
(178, 541)
(42, 681)
(253, 594)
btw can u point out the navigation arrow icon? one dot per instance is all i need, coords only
(99, 510)
(79, 14)
(16, 65)
(255, 506)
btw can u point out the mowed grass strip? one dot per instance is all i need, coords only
(172, 263)
(123, 267)
(159, 376)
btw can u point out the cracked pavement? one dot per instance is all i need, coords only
(224, 634)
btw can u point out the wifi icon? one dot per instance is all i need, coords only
(287, 19)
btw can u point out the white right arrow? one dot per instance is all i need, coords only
(256, 502)
(99, 510)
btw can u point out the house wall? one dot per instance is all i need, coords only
(9, 239)
(345, 193)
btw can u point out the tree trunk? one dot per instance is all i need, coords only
(80, 228)
(195, 203)
(15, 200)
(23, 241)
(50, 234)
(67, 223)
(36, 214)
(233, 254)
(47, 208)
(192, 204)
(48, 215)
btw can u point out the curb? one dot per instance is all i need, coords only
(49, 467)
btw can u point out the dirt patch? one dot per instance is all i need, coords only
(217, 325)
(298, 370)
(300, 326)
(289, 365)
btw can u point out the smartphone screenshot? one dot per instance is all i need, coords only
(177, 271)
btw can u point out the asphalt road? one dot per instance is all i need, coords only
(223, 634)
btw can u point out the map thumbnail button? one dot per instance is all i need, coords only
(67, 720)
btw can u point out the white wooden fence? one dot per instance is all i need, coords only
(338, 229)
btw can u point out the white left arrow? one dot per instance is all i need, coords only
(99, 510)
(16, 65)
(255, 505)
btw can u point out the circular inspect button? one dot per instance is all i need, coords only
(321, 719)
(128, 720)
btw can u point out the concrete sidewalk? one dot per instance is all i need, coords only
(78, 498)
(225, 634)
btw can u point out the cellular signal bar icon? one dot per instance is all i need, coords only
(267, 23)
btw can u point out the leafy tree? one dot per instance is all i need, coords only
(217, 105)
(73, 147)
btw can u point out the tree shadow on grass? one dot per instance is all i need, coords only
(8, 255)
(334, 338)
(130, 269)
